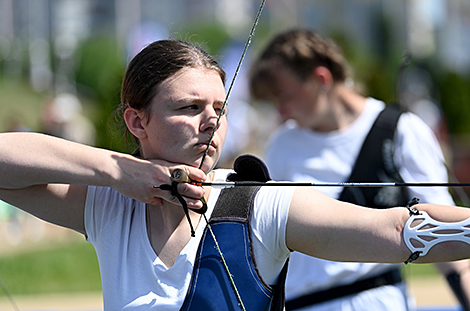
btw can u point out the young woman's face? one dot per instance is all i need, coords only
(183, 115)
(298, 99)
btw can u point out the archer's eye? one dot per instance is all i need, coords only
(219, 111)
(190, 107)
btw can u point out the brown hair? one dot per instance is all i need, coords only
(301, 50)
(154, 64)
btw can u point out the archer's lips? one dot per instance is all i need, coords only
(203, 145)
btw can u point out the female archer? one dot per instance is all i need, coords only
(128, 207)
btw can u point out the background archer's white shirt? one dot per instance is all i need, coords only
(134, 278)
(304, 155)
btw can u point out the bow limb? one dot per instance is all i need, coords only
(242, 57)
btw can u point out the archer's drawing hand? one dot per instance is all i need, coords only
(137, 179)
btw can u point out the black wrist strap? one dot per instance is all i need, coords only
(174, 191)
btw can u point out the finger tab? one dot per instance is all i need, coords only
(178, 175)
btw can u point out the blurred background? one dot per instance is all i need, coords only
(62, 62)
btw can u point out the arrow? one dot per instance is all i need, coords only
(179, 175)
(308, 184)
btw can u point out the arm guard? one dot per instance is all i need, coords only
(431, 232)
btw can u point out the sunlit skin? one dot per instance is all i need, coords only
(294, 97)
(316, 102)
(183, 115)
(49, 177)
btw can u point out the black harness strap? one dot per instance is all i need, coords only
(387, 278)
(375, 164)
(455, 283)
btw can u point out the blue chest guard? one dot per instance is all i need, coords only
(211, 287)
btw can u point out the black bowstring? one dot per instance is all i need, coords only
(247, 44)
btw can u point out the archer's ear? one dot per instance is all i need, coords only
(324, 76)
(135, 122)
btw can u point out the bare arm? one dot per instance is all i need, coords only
(48, 177)
(326, 228)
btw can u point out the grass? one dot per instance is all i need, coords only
(73, 267)
(18, 103)
(419, 270)
(59, 268)
(63, 267)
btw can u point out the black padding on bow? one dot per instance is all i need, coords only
(249, 167)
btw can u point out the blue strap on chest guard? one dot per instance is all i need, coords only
(210, 287)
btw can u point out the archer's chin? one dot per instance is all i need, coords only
(209, 163)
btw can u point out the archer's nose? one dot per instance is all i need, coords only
(209, 122)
